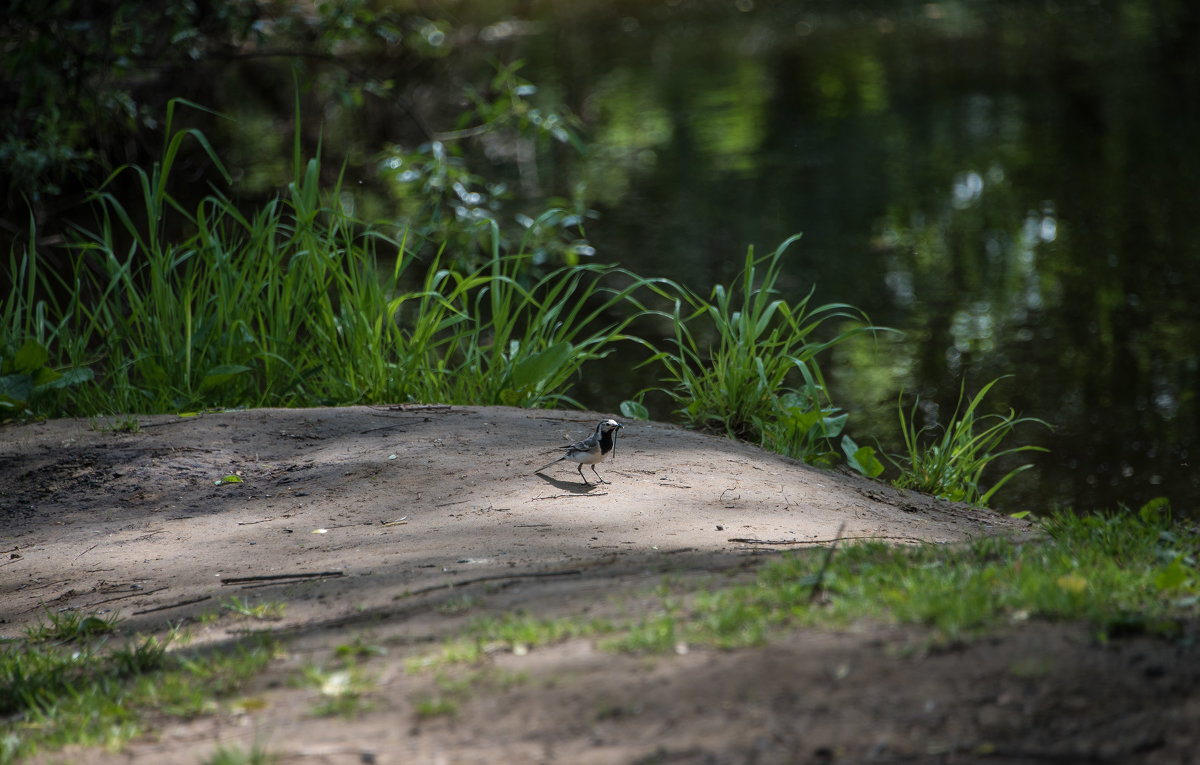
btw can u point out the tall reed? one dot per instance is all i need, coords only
(744, 361)
(301, 304)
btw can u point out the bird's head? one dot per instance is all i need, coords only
(608, 426)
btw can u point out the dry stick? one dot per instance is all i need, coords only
(200, 599)
(817, 585)
(137, 594)
(489, 578)
(560, 496)
(80, 555)
(421, 407)
(274, 577)
(747, 541)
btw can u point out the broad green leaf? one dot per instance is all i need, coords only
(30, 358)
(1152, 511)
(861, 458)
(44, 378)
(634, 410)
(1172, 577)
(510, 397)
(16, 388)
(542, 366)
(220, 375)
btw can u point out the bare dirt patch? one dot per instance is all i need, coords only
(374, 524)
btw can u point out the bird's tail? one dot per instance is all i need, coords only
(548, 464)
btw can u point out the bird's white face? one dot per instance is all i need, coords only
(612, 425)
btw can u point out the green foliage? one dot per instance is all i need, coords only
(861, 458)
(733, 375)
(290, 306)
(87, 78)
(27, 377)
(952, 467)
(447, 207)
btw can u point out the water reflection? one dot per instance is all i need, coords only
(1004, 182)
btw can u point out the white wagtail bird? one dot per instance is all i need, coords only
(597, 447)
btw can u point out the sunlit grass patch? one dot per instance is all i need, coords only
(1117, 572)
(1114, 572)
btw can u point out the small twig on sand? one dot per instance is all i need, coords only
(80, 555)
(251, 523)
(276, 577)
(818, 585)
(180, 604)
(135, 594)
(583, 494)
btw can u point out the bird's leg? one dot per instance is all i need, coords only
(581, 475)
(598, 478)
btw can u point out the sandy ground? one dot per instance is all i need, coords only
(397, 526)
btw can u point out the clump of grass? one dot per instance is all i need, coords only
(258, 755)
(515, 632)
(297, 303)
(751, 370)
(267, 611)
(69, 683)
(952, 466)
(345, 689)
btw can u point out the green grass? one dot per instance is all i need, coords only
(951, 467)
(269, 611)
(1122, 572)
(744, 361)
(345, 689)
(75, 679)
(72, 682)
(258, 755)
(1116, 572)
(167, 308)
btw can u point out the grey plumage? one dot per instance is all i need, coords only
(596, 448)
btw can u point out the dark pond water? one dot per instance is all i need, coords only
(1014, 186)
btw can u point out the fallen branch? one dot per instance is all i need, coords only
(200, 599)
(277, 577)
